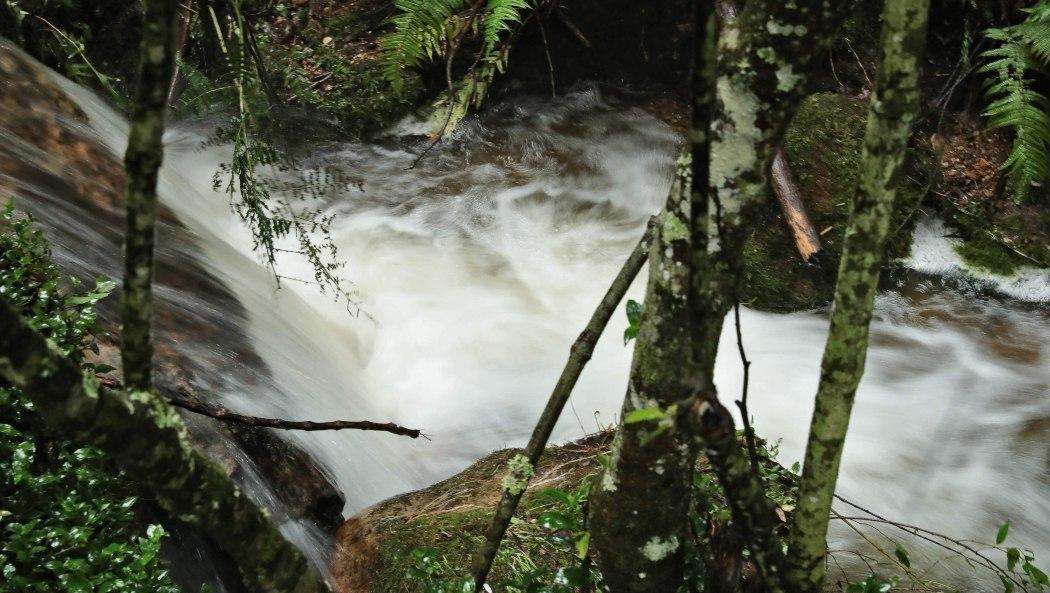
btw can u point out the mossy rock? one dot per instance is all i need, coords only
(1002, 238)
(823, 145)
(373, 548)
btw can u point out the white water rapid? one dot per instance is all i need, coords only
(478, 268)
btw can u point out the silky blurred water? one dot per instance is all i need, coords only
(476, 269)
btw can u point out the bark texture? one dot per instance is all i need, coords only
(146, 438)
(765, 58)
(742, 107)
(893, 109)
(142, 162)
(640, 503)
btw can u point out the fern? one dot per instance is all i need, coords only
(423, 29)
(429, 30)
(1013, 103)
(500, 15)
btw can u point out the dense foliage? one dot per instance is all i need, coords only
(1015, 103)
(67, 521)
(427, 30)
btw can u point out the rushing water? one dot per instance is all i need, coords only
(477, 268)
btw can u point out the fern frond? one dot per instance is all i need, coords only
(422, 30)
(499, 16)
(1014, 104)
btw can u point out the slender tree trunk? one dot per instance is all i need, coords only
(521, 467)
(893, 109)
(141, 163)
(147, 439)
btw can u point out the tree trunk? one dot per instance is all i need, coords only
(639, 506)
(893, 109)
(146, 438)
(142, 162)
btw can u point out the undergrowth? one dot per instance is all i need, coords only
(66, 517)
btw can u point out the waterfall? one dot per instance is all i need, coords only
(476, 269)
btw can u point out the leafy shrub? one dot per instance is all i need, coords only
(67, 523)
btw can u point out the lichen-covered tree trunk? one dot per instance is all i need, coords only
(640, 503)
(893, 109)
(142, 162)
(146, 438)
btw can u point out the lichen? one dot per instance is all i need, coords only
(672, 228)
(656, 549)
(519, 473)
(734, 151)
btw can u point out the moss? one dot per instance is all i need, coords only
(983, 253)
(458, 534)
(823, 146)
(995, 233)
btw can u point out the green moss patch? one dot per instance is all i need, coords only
(823, 145)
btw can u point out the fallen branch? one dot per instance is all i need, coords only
(220, 413)
(564, 18)
(579, 354)
(784, 188)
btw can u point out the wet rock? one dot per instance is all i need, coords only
(74, 186)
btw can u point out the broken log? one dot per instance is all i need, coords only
(806, 239)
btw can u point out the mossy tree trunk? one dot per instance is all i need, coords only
(640, 503)
(146, 438)
(893, 109)
(142, 163)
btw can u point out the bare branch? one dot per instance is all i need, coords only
(220, 413)
(579, 354)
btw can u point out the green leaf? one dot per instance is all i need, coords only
(902, 555)
(1003, 531)
(571, 576)
(555, 520)
(634, 311)
(1012, 556)
(583, 544)
(644, 415)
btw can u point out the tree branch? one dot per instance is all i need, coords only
(220, 413)
(579, 354)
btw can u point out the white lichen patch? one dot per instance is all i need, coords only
(519, 473)
(734, 151)
(656, 549)
(787, 78)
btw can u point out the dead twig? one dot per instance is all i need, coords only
(225, 415)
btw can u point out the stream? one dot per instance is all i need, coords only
(475, 270)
